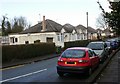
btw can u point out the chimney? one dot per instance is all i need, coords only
(43, 24)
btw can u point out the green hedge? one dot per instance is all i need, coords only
(11, 52)
(81, 43)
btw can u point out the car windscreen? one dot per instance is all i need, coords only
(96, 46)
(73, 53)
(108, 44)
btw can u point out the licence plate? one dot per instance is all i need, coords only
(70, 62)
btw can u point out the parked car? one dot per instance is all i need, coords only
(100, 48)
(109, 47)
(114, 43)
(77, 60)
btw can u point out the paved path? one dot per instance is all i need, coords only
(110, 74)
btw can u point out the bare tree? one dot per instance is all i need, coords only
(3, 25)
(101, 22)
(19, 24)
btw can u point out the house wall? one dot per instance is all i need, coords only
(92, 36)
(22, 38)
(32, 37)
(58, 37)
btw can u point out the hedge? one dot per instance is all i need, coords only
(11, 52)
(80, 43)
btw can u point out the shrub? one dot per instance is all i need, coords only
(81, 43)
(11, 52)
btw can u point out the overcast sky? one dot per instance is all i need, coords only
(61, 11)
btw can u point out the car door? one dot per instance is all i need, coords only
(97, 59)
(92, 58)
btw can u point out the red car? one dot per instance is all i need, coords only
(77, 60)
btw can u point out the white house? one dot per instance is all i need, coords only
(92, 33)
(49, 31)
(46, 31)
(81, 32)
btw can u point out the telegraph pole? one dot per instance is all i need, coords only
(87, 24)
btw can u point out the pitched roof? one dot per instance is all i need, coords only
(34, 29)
(81, 27)
(69, 28)
(91, 30)
(51, 26)
(107, 30)
(99, 30)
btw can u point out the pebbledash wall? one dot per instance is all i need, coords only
(56, 38)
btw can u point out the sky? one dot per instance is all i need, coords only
(60, 11)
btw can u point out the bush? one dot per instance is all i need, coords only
(11, 52)
(81, 43)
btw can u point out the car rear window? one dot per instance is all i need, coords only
(96, 46)
(73, 53)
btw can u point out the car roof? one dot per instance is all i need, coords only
(80, 48)
(97, 42)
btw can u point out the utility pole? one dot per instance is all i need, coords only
(87, 24)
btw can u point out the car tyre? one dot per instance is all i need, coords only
(61, 74)
(89, 72)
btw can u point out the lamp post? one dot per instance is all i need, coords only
(87, 24)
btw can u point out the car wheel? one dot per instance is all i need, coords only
(89, 71)
(61, 74)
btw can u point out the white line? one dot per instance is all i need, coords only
(23, 75)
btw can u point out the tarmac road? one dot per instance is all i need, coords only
(43, 71)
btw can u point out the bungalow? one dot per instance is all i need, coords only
(107, 32)
(46, 31)
(49, 31)
(82, 32)
(92, 33)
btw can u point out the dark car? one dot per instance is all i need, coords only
(114, 43)
(100, 48)
(77, 60)
(109, 47)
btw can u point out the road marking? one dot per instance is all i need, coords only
(11, 67)
(23, 75)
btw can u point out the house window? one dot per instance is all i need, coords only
(26, 42)
(50, 40)
(12, 39)
(16, 39)
(78, 36)
(62, 37)
(58, 37)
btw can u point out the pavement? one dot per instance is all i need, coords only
(28, 61)
(110, 73)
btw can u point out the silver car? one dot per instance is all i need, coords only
(100, 48)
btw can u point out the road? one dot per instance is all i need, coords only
(42, 71)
